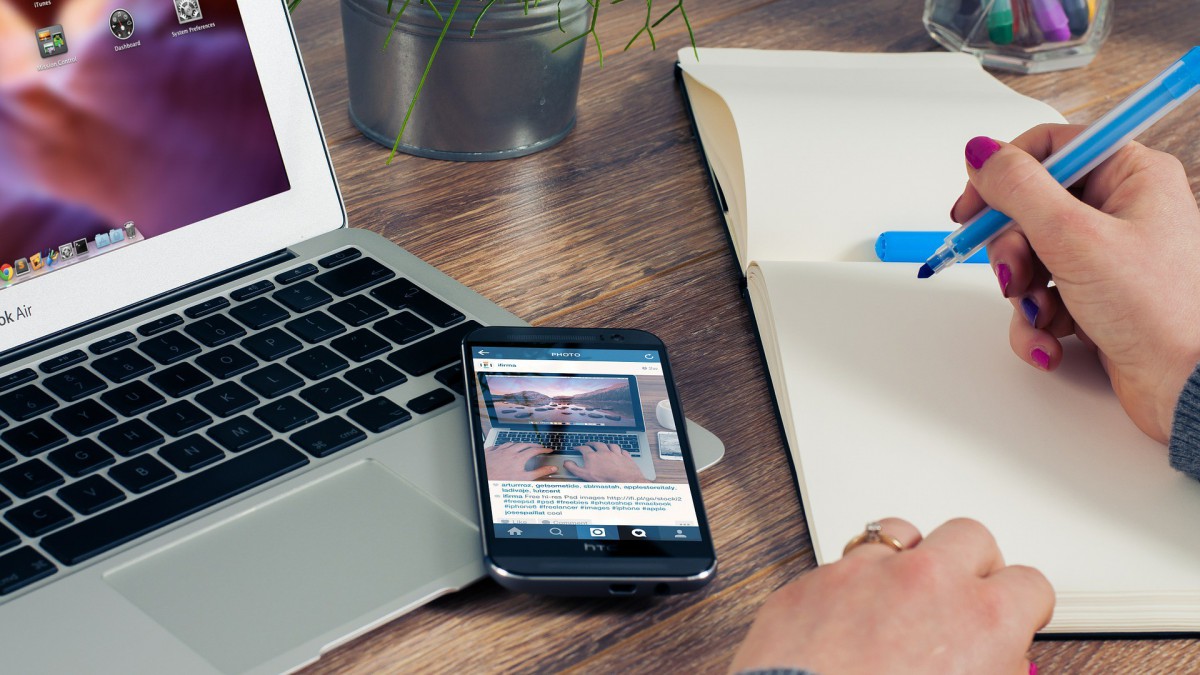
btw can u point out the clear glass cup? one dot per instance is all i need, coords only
(1024, 36)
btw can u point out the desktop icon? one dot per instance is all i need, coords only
(66, 252)
(35, 262)
(80, 246)
(120, 22)
(188, 11)
(51, 41)
(6, 272)
(21, 266)
(130, 230)
(50, 255)
(116, 235)
(102, 240)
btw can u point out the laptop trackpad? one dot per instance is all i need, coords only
(301, 566)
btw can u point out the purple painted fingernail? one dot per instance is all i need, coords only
(1041, 358)
(1004, 275)
(979, 149)
(1030, 309)
(1032, 668)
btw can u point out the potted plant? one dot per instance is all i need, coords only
(471, 79)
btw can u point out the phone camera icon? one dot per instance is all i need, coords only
(597, 531)
(638, 532)
(556, 531)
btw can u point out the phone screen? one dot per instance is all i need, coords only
(581, 444)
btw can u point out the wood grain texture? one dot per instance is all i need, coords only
(615, 226)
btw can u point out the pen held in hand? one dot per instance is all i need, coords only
(1085, 152)
(903, 246)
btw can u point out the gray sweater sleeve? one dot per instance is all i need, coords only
(1185, 430)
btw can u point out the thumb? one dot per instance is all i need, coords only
(1058, 226)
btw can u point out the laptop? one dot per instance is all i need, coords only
(563, 412)
(231, 433)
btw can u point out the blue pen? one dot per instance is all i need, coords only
(1085, 152)
(906, 246)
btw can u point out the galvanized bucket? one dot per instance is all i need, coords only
(499, 94)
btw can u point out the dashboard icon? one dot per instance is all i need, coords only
(120, 22)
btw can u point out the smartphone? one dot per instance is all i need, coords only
(574, 496)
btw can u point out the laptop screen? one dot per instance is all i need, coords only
(121, 120)
(562, 402)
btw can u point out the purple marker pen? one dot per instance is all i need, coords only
(1051, 20)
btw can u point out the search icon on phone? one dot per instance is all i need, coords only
(638, 532)
(556, 531)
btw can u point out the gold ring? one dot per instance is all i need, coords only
(873, 534)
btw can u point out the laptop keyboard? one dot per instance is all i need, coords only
(565, 444)
(146, 427)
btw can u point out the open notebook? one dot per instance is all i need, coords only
(900, 396)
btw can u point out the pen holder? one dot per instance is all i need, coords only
(1023, 36)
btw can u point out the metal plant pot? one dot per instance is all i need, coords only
(499, 94)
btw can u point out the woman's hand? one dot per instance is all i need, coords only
(1123, 253)
(945, 604)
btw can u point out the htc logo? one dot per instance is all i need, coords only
(598, 548)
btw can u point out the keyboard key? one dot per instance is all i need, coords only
(190, 453)
(227, 399)
(110, 343)
(404, 294)
(130, 438)
(343, 256)
(205, 308)
(122, 366)
(105, 531)
(327, 437)
(259, 313)
(285, 414)
(273, 380)
(5, 500)
(317, 363)
(361, 345)
(354, 277)
(8, 538)
(226, 362)
(254, 289)
(64, 361)
(159, 325)
(215, 330)
(74, 384)
(19, 377)
(132, 399)
(403, 328)
(431, 401)
(375, 377)
(26, 403)
(169, 348)
(296, 274)
(238, 434)
(180, 380)
(39, 516)
(34, 437)
(91, 494)
(358, 311)
(21, 568)
(302, 297)
(429, 355)
(271, 344)
(28, 479)
(331, 395)
(84, 417)
(379, 414)
(6, 458)
(452, 377)
(315, 327)
(81, 458)
(141, 473)
(179, 418)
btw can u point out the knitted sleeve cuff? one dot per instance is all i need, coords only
(1185, 430)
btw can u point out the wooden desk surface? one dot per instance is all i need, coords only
(620, 217)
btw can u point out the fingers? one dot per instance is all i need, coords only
(969, 543)
(902, 530)
(577, 471)
(1031, 594)
(527, 448)
(543, 472)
